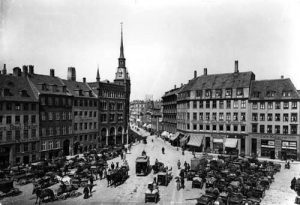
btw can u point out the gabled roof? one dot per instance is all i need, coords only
(220, 81)
(16, 88)
(38, 80)
(173, 91)
(74, 86)
(278, 86)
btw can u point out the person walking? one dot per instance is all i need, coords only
(178, 164)
(112, 166)
(100, 173)
(104, 173)
(117, 165)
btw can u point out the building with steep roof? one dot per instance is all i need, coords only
(274, 119)
(19, 119)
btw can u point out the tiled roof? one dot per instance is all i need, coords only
(38, 80)
(278, 86)
(16, 88)
(173, 91)
(74, 86)
(219, 81)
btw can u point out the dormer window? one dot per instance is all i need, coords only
(256, 94)
(270, 93)
(44, 87)
(286, 93)
(64, 88)
(54, 88)
(207, 93)
(228, 92)
(198, 93)
(90, 93)
(24, 93)
(218, 93)
(7, 92)
(239, 92)
(80, 92)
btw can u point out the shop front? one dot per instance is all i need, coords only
(268, 148)
(231, 146)
(195, 143)
(218, 143)
(289, 150)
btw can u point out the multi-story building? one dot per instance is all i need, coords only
(274, 119)
(114, 98)
(84, 114)
(169, 105)
(156, 117)
(55, 113)
(19, 119)
(212, 110)
(137, 108)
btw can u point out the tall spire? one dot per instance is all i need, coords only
(98, 75)
(121, 47)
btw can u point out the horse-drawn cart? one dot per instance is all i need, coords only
(197, 182)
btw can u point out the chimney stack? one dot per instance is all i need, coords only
(71, 73)
(52, 72)
(174, 86)
(205, 71)
(282, 77)
(4, 69)
(181, 84)
(236, 66)
(17, 71)
(31, 69)
(25, 70)
(84, 80)
(195, 74)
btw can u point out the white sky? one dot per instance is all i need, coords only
(164, 41)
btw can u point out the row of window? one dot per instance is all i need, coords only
(26, 147)
(49, 145)
(270, 105)
(56, 116)
(85, 126)
(85, 137)
(274, 129)
(18, 119)
(85, 113)
(111, 94)
(18, 106)
(213, 116)
(285, 117)
(54, 131)
(221, 127)
(111, 117)
(271, 93)
(209, 93)
(17, 134)
(111, 106)
(57, 101)
(214, 104)
(85, 103)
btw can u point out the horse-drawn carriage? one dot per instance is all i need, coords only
(118, 176)
(197, 182)
(152, 194)
(236, 199)
(163, 178)
(142, 165)
(7, 189)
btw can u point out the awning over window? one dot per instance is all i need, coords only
(175, 136)
(195, 140)
(216, 140)
(231, 143)
(183, 140)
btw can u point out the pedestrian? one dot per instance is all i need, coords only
(178, 164)
(182, 182)
(185, 165)
(124, 156)
(188, 167)
(293, 182)
(86, 192)
(117, 165)
(100, 173)
(112, 165)
(91, 179)
(104, 173)
(121, 154)
(163, 150)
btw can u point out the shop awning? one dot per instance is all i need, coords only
(175, 136)
(183, 140)
(195, 140)
(165, 133)
(216, 140)
(231, 142)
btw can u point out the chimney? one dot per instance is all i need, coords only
(181, 84)
(282, 77)
(4, 69)
(25, 70)
(52, 72)
(71, 73)
(174, 86)
(195, 74)
(31, 69)
(205, 71)
(84, 80)
(17, 71)
(236, 66)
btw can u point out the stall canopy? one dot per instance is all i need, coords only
(195, 140)
(175, 136)
(231, 143)
(183, 140)
(165, 134)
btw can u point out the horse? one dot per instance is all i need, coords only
(41, 194)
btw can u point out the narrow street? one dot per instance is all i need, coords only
(135, 186)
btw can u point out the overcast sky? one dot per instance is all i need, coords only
(164, 41)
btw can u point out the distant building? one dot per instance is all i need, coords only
(156, 117)
(137, 110)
